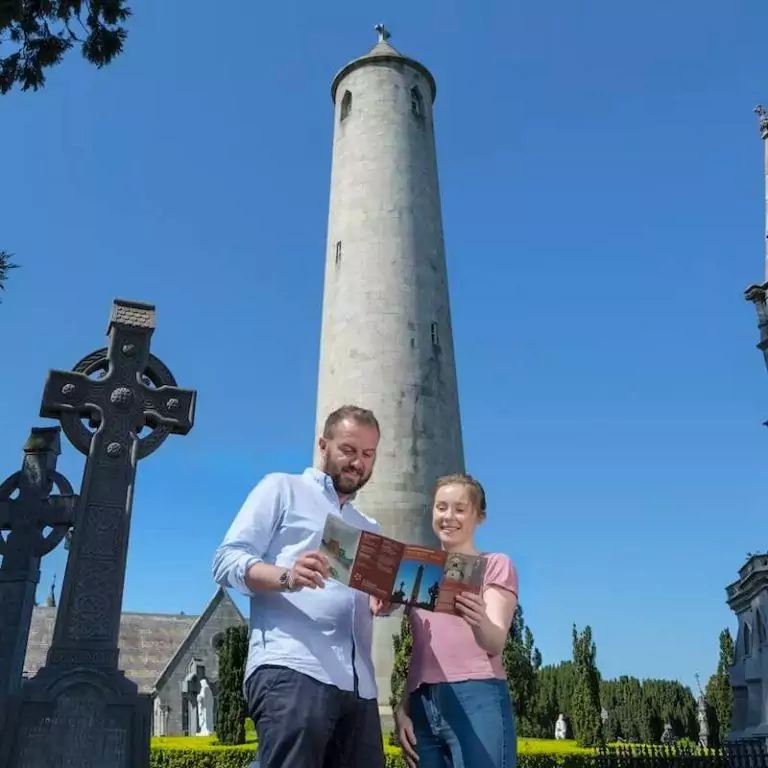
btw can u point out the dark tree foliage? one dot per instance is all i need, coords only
(522, 661)
(403, 644)
(585, 696)
(638, 709)
(40, 32)
(554, 689)
(231, 710)
(6, 265)
(719, 693)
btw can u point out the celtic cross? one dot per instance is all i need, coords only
(35, 523)
(134, 391)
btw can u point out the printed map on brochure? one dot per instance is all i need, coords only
(399, 573)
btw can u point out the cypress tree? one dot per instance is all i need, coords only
(403, 644)
(522, 660)
(585, 700)
(719, 693)
(231, 711)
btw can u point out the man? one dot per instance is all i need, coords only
(309, 679)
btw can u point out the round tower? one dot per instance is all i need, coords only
(386, 341)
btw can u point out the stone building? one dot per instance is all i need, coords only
(387, 338)
(166, 655)
(748, 599)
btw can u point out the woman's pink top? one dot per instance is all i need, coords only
(444, 647)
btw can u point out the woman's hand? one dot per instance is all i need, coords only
(407, 737)
(471, 608)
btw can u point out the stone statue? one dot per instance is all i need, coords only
(701, 716)
(205, 709)
(668, 737)
(560, 727)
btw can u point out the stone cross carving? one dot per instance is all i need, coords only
(26, 518)
(79, 709)
(383, 33)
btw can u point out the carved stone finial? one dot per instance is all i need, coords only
(762, 114)
(383, 33)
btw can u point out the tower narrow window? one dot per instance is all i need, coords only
(417, 104)
(346, 105)
(435, 339)
(338, 253)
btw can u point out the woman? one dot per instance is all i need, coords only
(457, 710)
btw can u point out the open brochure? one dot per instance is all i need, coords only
(406, 574)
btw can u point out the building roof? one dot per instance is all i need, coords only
(383, 51)
(753, 579)
(149, 642)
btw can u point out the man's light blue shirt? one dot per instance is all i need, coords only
(324, 633)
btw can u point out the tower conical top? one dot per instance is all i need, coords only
(383, 51)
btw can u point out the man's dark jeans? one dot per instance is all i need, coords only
(302, 723)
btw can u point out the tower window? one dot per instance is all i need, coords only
(338, 253)
(417, 104)
(346, 105)
(435, 339)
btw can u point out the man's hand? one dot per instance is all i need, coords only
(380, 607)
(310, 570)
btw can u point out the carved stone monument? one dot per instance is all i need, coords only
(701, 716)
(79, 710)
(560, 728)
(36, 523)
(205, 709)
(668, 737)
(190, 688)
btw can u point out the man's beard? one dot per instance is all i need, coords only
(345, 483)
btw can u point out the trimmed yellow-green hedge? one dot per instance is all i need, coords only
(205, 752)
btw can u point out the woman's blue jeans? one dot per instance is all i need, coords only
(464, 725)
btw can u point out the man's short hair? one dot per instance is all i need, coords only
(361, 416)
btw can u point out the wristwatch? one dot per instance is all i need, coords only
(284, 580)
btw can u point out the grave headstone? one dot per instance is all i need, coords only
(79, 710)
(35, 522)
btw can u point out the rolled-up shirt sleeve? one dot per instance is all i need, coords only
(249, 536)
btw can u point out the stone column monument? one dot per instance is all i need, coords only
(387, 341)
(26, 517)
(79, 710)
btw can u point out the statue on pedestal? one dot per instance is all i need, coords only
(205, 709)
(701, 716)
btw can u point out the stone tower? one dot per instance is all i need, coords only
(386, 341)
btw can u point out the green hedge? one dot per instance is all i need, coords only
(239, 757)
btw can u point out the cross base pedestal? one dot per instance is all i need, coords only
(77, 717)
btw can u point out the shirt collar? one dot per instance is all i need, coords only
(325, 481)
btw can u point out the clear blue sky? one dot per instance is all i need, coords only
(602, 182)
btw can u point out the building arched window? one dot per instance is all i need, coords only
(346, 105)
(747, 639)
(760, 627)
(417, 103)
